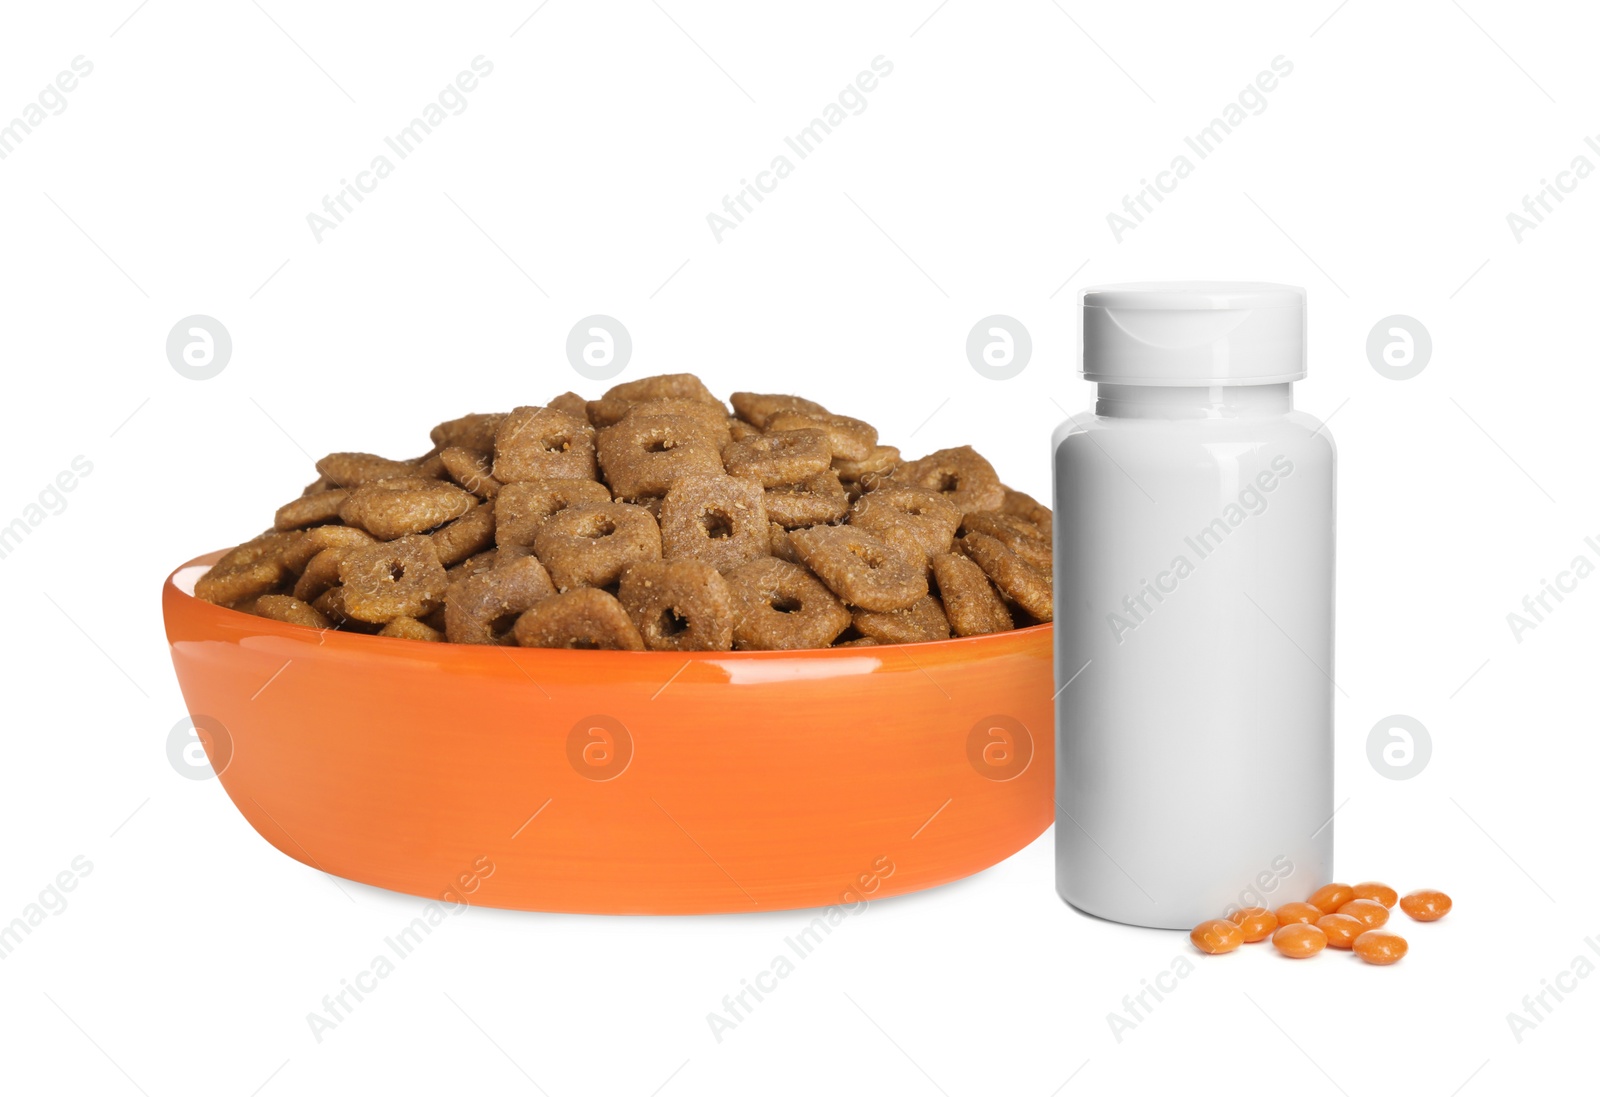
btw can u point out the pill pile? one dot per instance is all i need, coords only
(1339, 916)
(653, 518)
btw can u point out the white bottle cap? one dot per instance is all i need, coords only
(1194, 333)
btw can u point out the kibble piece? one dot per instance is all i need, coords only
(466, 536)
(1341, 929)
(1426, 904)
(484, 607)
(718, 520)
(861, 569)
(592, 544)
(611, 407)
(397, 506)
(535, 443)
(1216, 936)
(585, 618)
(1377, 892)
(925, 514)
(349, 470)
(779, 457)
(921, 622)
(520, 507)
(758, 408)
(472, 469)
(646, 456)
(780, 606)
(311, 510)
(1369, 913)
(781, 546)
(255, 567)
(1255, 923)
(400, 578)
(682, 605)
(322, 573)
(1298, 913)
(409, 628)
(712, 418)
(1022, 538)
(573, 404)
(1019, 504)
(848, 438)
(970, 600)
(474, 431)
(1330, 897)
(282, 607)
(961, 474)
(1018, 580)
(811, 502)
(1380, 947)
(880, 461)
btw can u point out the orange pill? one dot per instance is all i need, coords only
(1426, 904)
(1380, 947)
(1341, 929)
(1298, 913)
(1330, 897)
(1378, 893)
(1299, 940)
(1256, 923)
(1369, 912)
(1216, 936)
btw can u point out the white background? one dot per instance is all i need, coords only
(977, 181)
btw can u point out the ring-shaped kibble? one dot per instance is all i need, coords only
(1019, 504)
(848, 438)
(756, 408)
(399, 506)
(681, 605)
(862, 569)
(322, 572)
(926, 515)
(718, 520)
(811, 502)
(740, 431)
(1013, 576)
(961, 474)
(399, 578)
(466, 536)
(255, 567)
(880, 461)
(409, 628)
(1022, 538)
(472, 469)
(311, 510)
(592, 544)
(520, 507)
(779, 545)
(571, 403)
(646, 456)
(971, 603)
(779, 457)
(290, 610)
(351, 470)
(535, 443)
(780, 606)
(474, 432)
(483, 608)
(664, 386)
(922, 621)
(711, 418)
(587, 618)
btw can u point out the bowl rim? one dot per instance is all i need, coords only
(354, 641)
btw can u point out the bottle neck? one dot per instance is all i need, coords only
(1193, 401)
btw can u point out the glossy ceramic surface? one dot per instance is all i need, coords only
(622, 782)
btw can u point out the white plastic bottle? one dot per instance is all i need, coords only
(1194, 514)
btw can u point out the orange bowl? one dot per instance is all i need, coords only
(622, 782)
